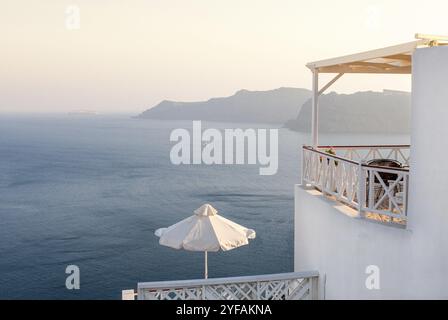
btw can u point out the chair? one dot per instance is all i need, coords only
(388, 178)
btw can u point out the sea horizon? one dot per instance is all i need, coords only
(91, 191)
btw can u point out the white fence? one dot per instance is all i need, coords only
(284, 286)
(341, 172)
(365, 153)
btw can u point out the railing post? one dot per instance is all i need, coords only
(302, 180)
(405, 194)
(321, 285)
(371, 199)
(140, 295)
(128, 294)
(314, 288)
(361, 188)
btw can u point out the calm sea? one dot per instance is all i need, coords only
(91, 190)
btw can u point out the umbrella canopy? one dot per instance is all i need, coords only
(205, 231)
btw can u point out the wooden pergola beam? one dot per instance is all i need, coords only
(330, 83)
(375, 65)
(404, 48)
(431, 37)
(365, 69)
(400, 57)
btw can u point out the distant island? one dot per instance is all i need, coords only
(273, 106)
(364, 112)
(82, 113)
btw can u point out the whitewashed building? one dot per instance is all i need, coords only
(376, 232)
(371, 222)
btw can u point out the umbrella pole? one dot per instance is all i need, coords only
(206, 266)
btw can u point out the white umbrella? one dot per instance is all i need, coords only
(205, 231)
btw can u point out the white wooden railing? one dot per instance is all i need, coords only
(365, 153)
(284, 286)
(376, 192)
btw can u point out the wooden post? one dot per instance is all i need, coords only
(302, 178)
(362, 181)
(315, 109)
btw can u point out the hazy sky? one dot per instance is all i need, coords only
(129, 55)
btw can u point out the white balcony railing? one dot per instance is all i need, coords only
(284, 286)
(343, 172)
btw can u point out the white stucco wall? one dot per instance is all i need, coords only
(413, 262)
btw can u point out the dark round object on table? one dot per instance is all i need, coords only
(387, 163)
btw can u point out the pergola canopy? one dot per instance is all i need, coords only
(390, 60)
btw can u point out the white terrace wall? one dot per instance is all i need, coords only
(413, 262)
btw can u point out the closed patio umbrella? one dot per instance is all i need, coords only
(205, 231)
